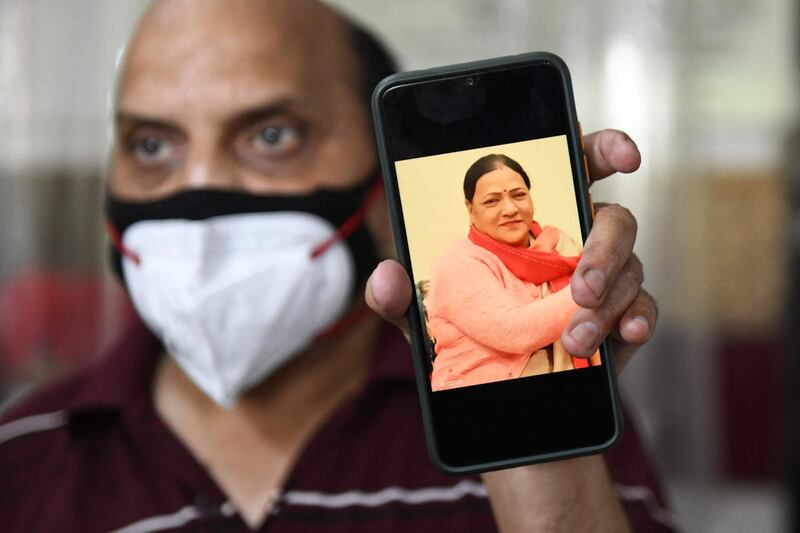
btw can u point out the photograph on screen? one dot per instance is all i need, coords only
(494, 238)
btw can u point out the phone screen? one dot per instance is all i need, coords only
(493, 241)
(493, 217)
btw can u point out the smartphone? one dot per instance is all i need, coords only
(487, 180)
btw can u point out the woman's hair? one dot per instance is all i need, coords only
(486, 164)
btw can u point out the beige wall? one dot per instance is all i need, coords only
(432, 197)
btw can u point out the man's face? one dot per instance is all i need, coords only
(255, 96)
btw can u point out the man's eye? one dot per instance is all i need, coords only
(151, 150)
(276, 140)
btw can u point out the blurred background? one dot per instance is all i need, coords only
(708, 90)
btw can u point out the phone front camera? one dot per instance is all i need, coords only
(470, 82)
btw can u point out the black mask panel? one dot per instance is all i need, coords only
(334, 205)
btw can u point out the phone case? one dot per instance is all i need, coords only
(586, 210)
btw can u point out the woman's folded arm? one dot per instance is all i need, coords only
(470, 295)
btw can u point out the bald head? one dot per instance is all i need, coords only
(301, 37)
(260, 95)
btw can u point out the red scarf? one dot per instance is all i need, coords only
(538, 264)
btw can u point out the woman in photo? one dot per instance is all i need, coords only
(500, 299)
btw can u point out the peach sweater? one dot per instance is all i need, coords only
(486, 321)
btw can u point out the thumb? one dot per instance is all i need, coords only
(388, 293)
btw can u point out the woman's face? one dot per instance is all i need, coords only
(502, 207)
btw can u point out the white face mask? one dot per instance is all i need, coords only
(235, 297)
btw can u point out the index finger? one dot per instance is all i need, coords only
(607, 249)
(610, 151)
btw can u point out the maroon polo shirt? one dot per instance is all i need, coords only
(89, 453)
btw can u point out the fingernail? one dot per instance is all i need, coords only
(642, 321)
(371, 289)
(585, 334)
(596, 281)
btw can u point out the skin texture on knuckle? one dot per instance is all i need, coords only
(622, 216)
(621, 299)
(606, 254)
(610, 313)
(634, 265)
(651, 307)
(630, 281)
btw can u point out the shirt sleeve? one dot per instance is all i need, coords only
(470, 295)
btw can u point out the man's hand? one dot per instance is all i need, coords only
(607, 283)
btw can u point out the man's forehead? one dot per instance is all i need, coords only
(185, 52)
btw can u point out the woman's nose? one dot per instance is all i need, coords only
(509, 208)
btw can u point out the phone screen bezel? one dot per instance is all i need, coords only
(518, 421)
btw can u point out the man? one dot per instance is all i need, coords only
(242, 136)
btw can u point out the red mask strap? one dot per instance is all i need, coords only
(116, 240)
(352, 223)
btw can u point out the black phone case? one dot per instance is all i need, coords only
(586, 212)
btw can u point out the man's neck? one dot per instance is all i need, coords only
(249, 449)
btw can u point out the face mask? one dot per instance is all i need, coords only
(235, 295)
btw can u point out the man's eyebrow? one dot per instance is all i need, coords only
(272, 107)
(261, 111)
(143, 120)
(244, 116)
